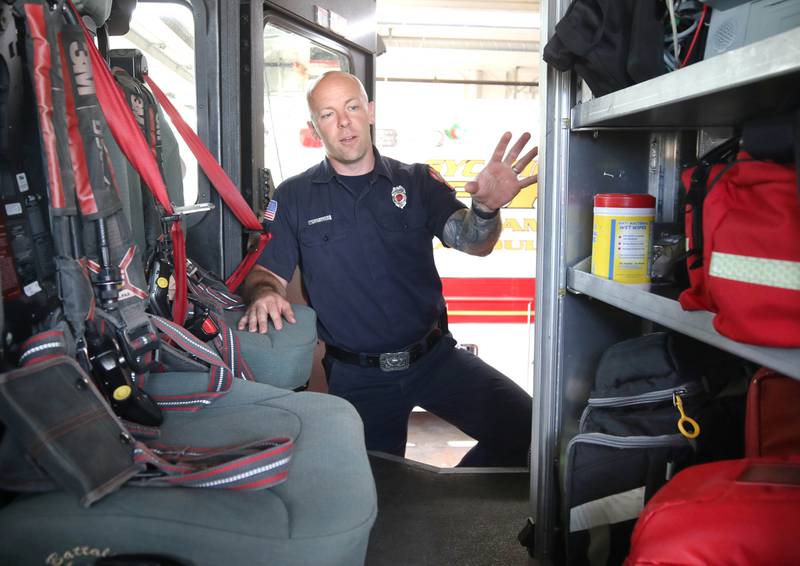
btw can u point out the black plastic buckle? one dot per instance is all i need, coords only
(147, 341)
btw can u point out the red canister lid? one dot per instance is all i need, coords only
(618, 200)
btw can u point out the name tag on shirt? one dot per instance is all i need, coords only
(325, 218)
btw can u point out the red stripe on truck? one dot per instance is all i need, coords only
(490, 300)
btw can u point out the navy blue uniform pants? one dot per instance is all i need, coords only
(453, 384)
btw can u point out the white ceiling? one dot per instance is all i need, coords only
(459, 40)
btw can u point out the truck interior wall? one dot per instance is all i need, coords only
(204, 236)
(600, 162)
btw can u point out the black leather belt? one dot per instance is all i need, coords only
(388, 361)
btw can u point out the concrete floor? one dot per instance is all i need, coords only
(433, 441)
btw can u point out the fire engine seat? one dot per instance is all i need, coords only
(322, 514)
(282, 358)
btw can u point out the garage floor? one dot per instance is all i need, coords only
(433, 517)
(435, 442)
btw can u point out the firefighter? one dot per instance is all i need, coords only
(360, 227)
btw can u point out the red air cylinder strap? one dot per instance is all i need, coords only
(222, 183)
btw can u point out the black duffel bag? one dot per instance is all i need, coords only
(629, 442)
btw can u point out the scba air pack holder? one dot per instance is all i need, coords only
(100, 279)
(99, 327)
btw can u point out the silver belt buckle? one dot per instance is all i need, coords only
(395, 361)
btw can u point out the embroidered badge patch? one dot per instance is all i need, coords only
(399, 196)
(272, 209)
(433, 172)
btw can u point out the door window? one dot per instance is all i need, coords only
(290, 62)
(164, 33)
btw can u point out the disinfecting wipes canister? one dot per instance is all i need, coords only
(622, 237)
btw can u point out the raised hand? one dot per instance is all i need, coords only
(499, 182)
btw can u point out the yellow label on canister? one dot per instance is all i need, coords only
(621, 242)
(162, 282)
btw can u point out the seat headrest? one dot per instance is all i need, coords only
(97, 10)
(119, 22)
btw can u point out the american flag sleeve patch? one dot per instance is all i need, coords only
(272, 209)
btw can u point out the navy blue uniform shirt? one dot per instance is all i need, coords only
(367, 263)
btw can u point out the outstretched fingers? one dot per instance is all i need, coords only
(500, 150)
(528, 181)
(523, 162)
(516, 149)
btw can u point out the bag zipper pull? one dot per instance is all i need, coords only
(691, 431)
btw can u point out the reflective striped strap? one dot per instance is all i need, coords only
(251, 466)
(226, 341)
(220, 376)
(42, 347)
(228, 346)
(224, 298)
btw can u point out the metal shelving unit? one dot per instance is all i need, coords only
(669, 313)
(720, 91)
(606, 145)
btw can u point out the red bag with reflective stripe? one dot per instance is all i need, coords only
(750, 272)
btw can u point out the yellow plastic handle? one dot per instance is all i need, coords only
(687, 426)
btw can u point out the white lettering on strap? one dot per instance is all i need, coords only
(779, 273)
(609, 510)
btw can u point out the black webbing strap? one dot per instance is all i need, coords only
(44, 63)
(698, 190)
(220, 376)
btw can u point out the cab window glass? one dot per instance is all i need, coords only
(290, 62)
(164, 33)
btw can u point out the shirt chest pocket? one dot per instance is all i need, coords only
(322, 234)
(406, 219)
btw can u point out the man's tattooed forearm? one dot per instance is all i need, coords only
(469, 233)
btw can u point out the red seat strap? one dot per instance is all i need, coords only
(221, 182)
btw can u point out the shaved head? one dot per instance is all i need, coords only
(329, 77)
(341, 116)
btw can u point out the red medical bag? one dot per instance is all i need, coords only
(748, 269)
(734, 512)
(773, 415)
